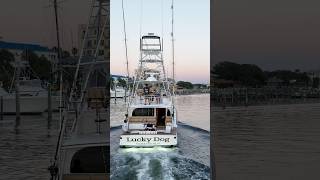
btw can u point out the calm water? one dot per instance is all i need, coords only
(26, 147)
(267, 142)
(189, 160)
(193, 110)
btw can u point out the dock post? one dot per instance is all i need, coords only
(1, 110)
(125, 95)
(17, 91)
(115, 96)
(247, 99)
(115, 91)
(49, 103)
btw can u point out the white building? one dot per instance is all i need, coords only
(92, 42)
(17, 49)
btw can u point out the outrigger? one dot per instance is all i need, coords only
(151, 118)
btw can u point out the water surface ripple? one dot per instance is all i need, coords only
(267, 142)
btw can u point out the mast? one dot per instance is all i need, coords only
(55, 5)
(53, 168)
(126, 51)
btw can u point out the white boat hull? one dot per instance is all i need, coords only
(148, 140)
(120, 94)
(28, 104)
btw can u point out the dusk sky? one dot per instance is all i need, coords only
(274, 34)
(192, 35)
(32, 21)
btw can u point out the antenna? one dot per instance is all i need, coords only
(172, 39)
(125, 39)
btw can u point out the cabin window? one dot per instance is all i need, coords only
(91, 160)
(143, 112)
(89, 43)
(101, 52)
(168, 113)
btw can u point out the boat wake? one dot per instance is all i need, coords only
(189, 160)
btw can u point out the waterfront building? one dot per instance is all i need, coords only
(103, 52)
(17, 49)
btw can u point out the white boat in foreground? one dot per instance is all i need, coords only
(152, 117)
(33, 98)
(82, 151)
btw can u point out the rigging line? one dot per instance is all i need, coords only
(141, 16)
(80, 56)
(126, 46)
(172, 39)
(59, 62)
(125, 38)
(62, 119)
(173, 58)
(162, 25)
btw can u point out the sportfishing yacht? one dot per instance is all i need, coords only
(151, 118)
(82, 150)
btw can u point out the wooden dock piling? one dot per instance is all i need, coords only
(49, 103)
(1, 108)
(17, 91)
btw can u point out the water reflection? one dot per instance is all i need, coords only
(267, 142)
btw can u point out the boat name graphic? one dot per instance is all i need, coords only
(148, 139)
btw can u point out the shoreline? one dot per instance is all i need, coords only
(226, 108)
(192, 91)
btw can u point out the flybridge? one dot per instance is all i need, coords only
(150, 43)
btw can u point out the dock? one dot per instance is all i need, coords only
(263, 96)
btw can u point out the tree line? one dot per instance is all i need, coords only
(40, 66)
(253, 76)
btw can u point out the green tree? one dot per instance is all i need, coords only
(40, 65)
(6, 68)
(185, 85)
(245, 74)
(122, 82)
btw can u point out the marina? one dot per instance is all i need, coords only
(59, 103)
(224, 97)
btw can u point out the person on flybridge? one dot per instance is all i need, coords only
(146, 92)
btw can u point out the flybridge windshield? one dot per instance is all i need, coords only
(143, 112)
(150, 43)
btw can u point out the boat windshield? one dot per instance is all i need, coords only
(143, 112)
